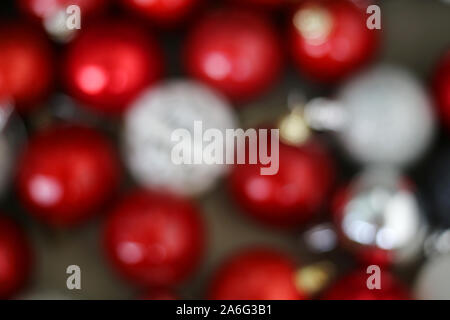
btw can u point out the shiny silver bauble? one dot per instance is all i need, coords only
(382, 116)
(150, 123)
(379, 215)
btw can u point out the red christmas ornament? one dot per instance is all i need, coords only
(159, 294)
(441, 87)
(294, 194)
(108, 64)
(162, 12)
(257, 274)
(66, 173)
(42, 10)
(354, 287)
(26, 69)
(329, 39)
(235, 51)
(15, 258)
(154, 239)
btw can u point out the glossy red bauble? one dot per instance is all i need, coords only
(291, 196)
(66, 174)
(162, 12)
(154, 239)
(44, 9)
(26, 69)
(15, 258)
(441, 88)
(257, 274)
(329, 39)
(236, 51)
(354, 287)
(109, 63)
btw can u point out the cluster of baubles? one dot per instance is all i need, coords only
(154, 236)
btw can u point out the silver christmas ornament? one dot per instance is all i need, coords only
(382, 116)
(380, 213)
(148, 136)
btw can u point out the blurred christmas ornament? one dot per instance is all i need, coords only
(354, 287)
(26, 68)
(54, 14)
(432, 282)
(441, 88)
(329, 39)
(110, 63)
(379, 218)
(256, 274)
(235, 51)
(154, 239)
(66, 174)
(150, 123)
(162, 12)
(15, 258)
(294, 194)
(382, 116)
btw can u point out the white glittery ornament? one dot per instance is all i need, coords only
(382, 116)
(382, 213)
(149, 125)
